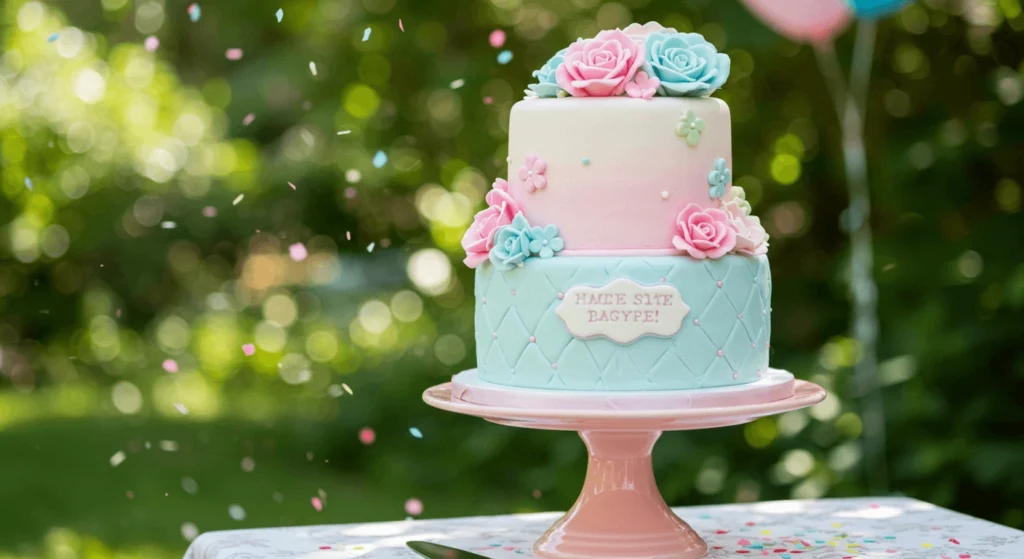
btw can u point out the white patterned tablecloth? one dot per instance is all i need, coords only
(823, 529)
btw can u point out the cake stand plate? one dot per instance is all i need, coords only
(620, 513)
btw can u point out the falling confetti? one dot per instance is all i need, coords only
(168, 225)
(346, 388)
(248, 349)
(237, 199)
(117, 458)
(353, 176)
(28, 183)
(318, 505)
(496, 38)
(367, 436)
(236, 512)
(413, 507)
(312, 67)
(195, 12)
(369, 247)
(181, 408)
(504, 57)
(344, 132)
(380, 159)
(233, 54)
(151, 44)
(292, 185)
(248, 464)
(170, 365)
(400, 26)
(415, 432)
(169, 446)
(189, 531)
(457, 83)
(488, 100)
(248, 119)
(209, 211)
(53, 37)
(279, 14)
(348, 234)
(366, 34)
(298, 252)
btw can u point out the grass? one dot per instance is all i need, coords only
(57, 485)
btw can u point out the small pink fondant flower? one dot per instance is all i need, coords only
(532, 173)
(704, 233)
(751, 238)
(642, 86)
(600, 67)
(479, 239)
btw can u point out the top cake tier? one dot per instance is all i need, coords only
(614, 172)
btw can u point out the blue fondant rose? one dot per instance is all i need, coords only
(686, 64)
(511, 244)
(545, 241)
(546, 85)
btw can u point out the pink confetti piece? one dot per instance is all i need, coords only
(292, 185)
(317, 504)
(170, 365)
(248, 119)
(497, 38)
(248, 349)
(413, 507)
(209, 211)
(350, 193)
(348, 235)
(743, 541)
(233, 54)
(488, 100)
(400, 26)
(367, 436)
(325, 547)
(151, 44)
(298, 252)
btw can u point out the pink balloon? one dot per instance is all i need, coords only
(809, 21)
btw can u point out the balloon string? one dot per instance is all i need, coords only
(850, 105)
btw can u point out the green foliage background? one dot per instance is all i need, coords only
(115, 160)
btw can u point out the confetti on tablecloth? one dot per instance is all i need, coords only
(826, 529)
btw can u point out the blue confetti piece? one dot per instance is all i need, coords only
(380, 160)
(28, 183)
(279, 14)
(504, 57)
(53, 37)
(195, 12)
(366, 34)
(415, 432)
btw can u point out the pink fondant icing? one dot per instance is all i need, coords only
(600, 67)
(704, 233)
(532, 173)
(501, 209)
(751, 238)
(614, 206)
(643, 87)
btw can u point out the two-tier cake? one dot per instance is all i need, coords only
(618, 255)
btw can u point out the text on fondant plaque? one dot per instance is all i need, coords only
(623, 310)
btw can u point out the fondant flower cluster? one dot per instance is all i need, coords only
(640, 61)
(479, 238)
(516, 242)
(715, 232)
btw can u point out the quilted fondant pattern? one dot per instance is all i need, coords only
(521, 341)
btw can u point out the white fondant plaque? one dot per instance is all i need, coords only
(623, 310)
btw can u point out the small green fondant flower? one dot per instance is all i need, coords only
(718, 179)
(546, 241)
(690, 127)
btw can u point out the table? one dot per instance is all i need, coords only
(894, 527)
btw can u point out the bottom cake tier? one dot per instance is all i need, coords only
(624, 323)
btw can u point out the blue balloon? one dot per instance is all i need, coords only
(876, 8)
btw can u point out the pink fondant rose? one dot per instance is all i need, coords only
(751, 238)
(479, 238)
(600, 67)
(704, 233)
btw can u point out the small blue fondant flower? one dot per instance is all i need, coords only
(686, 64)
(546, 85)
(718, 178)
(690, 127)
(511, 244)
(546, 241)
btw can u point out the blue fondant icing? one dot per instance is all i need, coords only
(734, 318)
(718, 178)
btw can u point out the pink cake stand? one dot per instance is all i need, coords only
(620, 513)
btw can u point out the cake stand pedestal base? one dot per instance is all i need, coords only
(620, 513)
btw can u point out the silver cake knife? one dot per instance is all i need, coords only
(438, 551)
